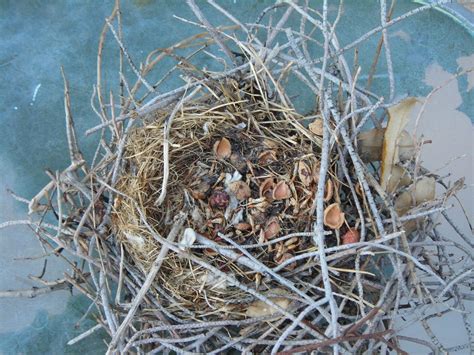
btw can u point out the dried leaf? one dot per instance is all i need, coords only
(261, 309)
(398, 178)
(425, 190)
(406, 146)
(222, 149)
(398, 118)
(370, 144)
(304, 173)
(333, 216)
(281, 191)
(316, 127)
(422, 191)
(240, 189)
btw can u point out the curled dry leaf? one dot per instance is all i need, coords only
(281, 191)
(304, 173)
(240, 189)
(222, 149)
(399, 116)
(267, 157)
(261, 309)
(329, 190)
(266, 188)
(399, 178)
(272, 229)
(316, 127)
(351, 236)
(333, 216)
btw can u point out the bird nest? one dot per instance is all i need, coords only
(228, 217)
(241, 169)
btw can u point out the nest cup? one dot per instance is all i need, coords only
(242, 169)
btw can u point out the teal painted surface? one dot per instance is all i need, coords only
(37, 37)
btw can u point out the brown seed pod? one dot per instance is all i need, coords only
(333, 216)
(240, 189)
(351, 236)
(329, 190)
(222, 149)
(272, 228)
(304, 173)
(281, 191)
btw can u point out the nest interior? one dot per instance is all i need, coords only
(242, 167)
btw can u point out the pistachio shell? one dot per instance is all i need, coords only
(333, 216)
(267, 157)
(285, 257)
(304, 173)
(281, 191)
(243, 226)
(329, 190)
(240, 189)
(266, 188)
(261, 309)
(315, 171)
(222, 149)
(272, 229)
(316, 126)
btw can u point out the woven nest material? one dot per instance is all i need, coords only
(241, 167)
(228, 217)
